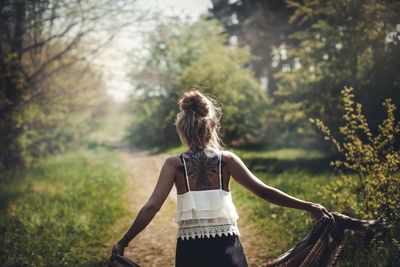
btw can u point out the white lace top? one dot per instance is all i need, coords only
(205, 213)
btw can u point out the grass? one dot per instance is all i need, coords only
(60, 212)
(281, 154)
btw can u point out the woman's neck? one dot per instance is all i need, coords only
(197, 148)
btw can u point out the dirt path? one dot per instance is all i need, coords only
(156, 244)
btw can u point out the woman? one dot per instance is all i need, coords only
(208, 234)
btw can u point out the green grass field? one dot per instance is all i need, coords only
(60, 212)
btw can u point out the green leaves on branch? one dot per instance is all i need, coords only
(185, 55)
(369, 186)
(340, 43)
(373, 157)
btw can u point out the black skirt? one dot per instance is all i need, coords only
(218, 251)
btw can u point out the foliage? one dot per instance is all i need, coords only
(62, 117)
(342, 43)
(48, 93)
(180, 56)
(370, 172)
(261, 25)
(59, 213)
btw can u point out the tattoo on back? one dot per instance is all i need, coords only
(202, 167)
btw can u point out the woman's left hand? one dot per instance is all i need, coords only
(317, 211)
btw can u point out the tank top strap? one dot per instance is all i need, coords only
(186, 174)
(220, 171)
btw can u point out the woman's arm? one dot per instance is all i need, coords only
(153, 205)
(247, 179)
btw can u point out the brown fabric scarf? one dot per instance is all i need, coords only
(117, 260)
(322, 245)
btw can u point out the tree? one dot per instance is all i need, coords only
(38, 40)
(182, 55)
(261, 25)
(64, 115)
(344, 43)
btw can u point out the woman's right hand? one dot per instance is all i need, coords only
(317, 211)
(118, 249)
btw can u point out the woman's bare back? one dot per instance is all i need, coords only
(203, 173)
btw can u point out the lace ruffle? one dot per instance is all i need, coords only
(202, 231)
(206, 213)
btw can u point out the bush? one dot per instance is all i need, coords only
(370, 178)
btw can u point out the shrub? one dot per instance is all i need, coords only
(369, 181)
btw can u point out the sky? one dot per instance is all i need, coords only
(114, 59)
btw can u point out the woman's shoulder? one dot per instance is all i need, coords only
(229, 156)
(173, 160)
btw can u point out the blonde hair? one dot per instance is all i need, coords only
(198, 122)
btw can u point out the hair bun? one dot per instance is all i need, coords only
(195, 101)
